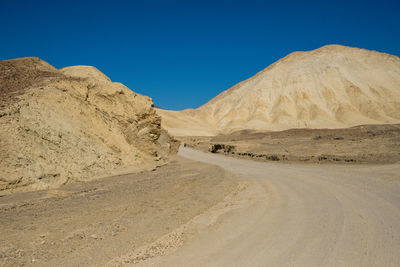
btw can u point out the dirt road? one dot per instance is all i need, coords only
(299, 215)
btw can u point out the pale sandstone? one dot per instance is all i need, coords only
(72, 124)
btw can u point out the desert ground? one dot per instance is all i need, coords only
(373, 144)
(94, 223)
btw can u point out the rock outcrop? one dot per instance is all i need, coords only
(72, 124)
(331, 87)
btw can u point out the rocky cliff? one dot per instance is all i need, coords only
(59, 126)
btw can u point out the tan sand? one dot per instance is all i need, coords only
(331, 87)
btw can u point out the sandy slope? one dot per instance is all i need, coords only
(330, 87)
(299, 216)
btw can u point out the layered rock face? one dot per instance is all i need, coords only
(72, 124)
(331, 87)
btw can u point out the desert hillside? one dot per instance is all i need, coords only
(330, 87)
(72, 124)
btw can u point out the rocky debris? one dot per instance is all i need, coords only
(72, 124)
(226, 149)
(231, 150)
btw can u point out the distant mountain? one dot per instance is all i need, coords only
(330, 87)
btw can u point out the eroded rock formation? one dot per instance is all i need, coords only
(72, 124)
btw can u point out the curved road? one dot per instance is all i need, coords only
(300, 215)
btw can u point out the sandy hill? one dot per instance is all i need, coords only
(330, 87)
(72, 124)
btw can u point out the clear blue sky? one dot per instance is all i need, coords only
(183, 53)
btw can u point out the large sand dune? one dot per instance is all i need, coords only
(331, 87)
